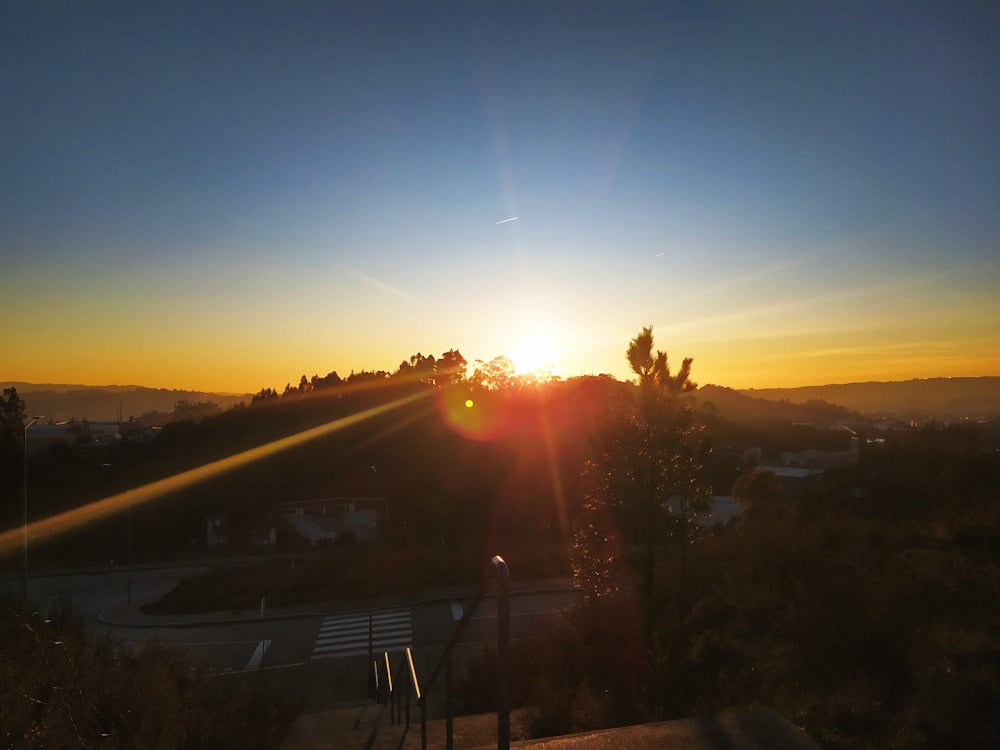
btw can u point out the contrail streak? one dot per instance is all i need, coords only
(59, 524)
(387, 288)
(504, 221)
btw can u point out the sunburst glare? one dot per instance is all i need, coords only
(533, 352)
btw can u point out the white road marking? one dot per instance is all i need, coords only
(258, 656)
(344, 636)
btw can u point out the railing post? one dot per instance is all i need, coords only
(503, 653)
(449, 740)
(503, 659)
(387, 683)
(371, 638)
(394, 702)
(409, 687)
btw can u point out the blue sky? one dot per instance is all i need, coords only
(228, 195)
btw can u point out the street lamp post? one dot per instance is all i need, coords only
(24, 549)
(376, 479)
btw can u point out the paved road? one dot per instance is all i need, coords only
(315, 653)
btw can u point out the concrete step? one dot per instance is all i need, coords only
(760, 729)
(347, 728)
(336, 729)
(477, 730)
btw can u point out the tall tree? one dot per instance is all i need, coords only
(331, 380)
(672, 449)
(11, 435)
(11, 416)
(418, 369)
(649, 469)
(450, 368)
(495, 375)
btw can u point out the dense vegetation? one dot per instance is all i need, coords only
(61, 688)
(869, 613)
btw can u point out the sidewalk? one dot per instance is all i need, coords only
(132, 616)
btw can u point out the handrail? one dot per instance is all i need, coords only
(498, 566)
(413, 673)
(406, 670)
(388, 671)
(408, 673)
(388, 693)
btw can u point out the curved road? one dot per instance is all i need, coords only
(314, 653)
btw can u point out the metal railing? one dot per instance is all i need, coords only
(395, 693)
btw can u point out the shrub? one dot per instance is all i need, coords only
(61, 688)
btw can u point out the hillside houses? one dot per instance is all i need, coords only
(330, 519)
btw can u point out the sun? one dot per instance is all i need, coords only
(533, 352)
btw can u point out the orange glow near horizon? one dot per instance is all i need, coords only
(838, 338)
(746, 363)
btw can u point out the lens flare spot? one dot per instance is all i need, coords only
(491, 417)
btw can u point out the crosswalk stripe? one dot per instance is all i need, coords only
(363, 620)
(377, 644)
(362, 634)
(344, 636)
(376, 624)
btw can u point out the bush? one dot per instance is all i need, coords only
(585, 670)
(60, 688)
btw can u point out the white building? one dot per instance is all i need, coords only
(330, 518)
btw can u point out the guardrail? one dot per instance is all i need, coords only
(396, 693)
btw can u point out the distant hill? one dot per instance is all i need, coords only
(740, 406)
(102, 403)
(940, 398)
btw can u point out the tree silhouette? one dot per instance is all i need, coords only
(417, 368)
(331, 380)
(647, 469)
(11, 416)
(450, 368)
(264, 395)
(673, 449)
(495, 375)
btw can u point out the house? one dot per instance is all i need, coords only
(793, 478)
(331, 518)
(216, 530)
(79, 434)
(721, 510)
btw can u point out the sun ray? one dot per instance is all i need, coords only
(62, 523)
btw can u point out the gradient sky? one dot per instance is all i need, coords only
(226, 196)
